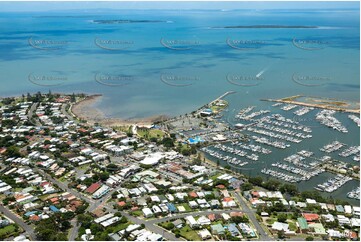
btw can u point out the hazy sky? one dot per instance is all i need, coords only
(51, 6)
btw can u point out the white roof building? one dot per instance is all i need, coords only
(147, 212)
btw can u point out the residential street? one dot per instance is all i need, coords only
(28, 229)
(263, 235)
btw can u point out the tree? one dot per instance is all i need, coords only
(123, 220)
(256, 180)
(282, 217)
(13, 151)
(309, 238)
(85, 220)
(281, 234)
(104, 176)
(46, 229)
(289, 188)
(246, 186)
(112, 167)
(65, 225)
(168, 142)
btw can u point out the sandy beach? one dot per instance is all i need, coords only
(85, 109)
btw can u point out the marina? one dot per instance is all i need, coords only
(354, 194)
(225, 158)
(252, 115)
(355, 119)
(289, 107)
(255, 148)
(334, 146)
(353, 150)
(305, 174)
(326, 118)
(333, 184)
(237, 152)
(266, 141)
(281, 175)
(251, 146)
(302, 111)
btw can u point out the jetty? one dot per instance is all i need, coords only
(222, 96)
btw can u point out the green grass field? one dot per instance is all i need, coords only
(189, 234)
(150, 133)
(8, 231)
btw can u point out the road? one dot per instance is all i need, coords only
(74, 230)
(263, 235)
(31, 112)
(94, 204)
(27, 228)
(149, 225)
(200, 213)
(63, 186)
(63, 110)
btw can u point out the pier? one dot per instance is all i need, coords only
(222, 96)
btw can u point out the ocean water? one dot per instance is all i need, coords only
(169, 62)
(204, 59)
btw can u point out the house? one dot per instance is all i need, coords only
(156, 209)
(181, 209)
(192, 222)
(278, 226)
(310, 217)
(92, 188)
(193, 195)
(328, 217)
(204, 234)
(171, 207)
(302, 225)
(217, 229)
(246, 229)
(311, 201)
(4, 222)
(203, 220)
(232, 228)
(356, 211)
(155, 199)
(178, 223)
(104, 189)
(212, 217)
(317, 229)
(340, 209)
(214, 203)
(236, 214)
(114, 237)
(193, 204)
(225, 216)
(53, 208)
(147, 212)
(348, 209)
(342, 220)
(331, 207)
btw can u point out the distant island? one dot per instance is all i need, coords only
(269, 27)
(125, 21)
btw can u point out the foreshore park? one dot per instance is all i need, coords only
(67, 172)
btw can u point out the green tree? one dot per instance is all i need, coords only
(282, 217)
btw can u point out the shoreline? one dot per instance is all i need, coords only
(84, 109)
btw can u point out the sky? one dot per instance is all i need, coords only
(8, 6)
